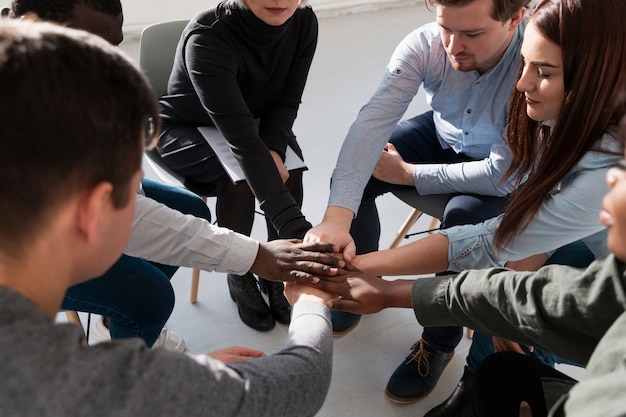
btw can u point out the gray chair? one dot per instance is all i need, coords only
(433, 205)
(157, 47)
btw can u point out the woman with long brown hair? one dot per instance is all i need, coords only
(561, 132)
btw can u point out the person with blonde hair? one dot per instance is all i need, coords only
(241, 67)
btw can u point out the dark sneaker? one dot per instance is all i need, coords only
(343, 321)
(418, 374)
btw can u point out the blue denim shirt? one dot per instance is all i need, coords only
(567, 215)
(469, 115)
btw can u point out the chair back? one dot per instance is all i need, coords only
(157, 47)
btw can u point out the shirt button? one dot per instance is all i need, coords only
(466, 133)
(468, 111)
(490, 229)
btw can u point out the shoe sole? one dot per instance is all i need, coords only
(401, 400)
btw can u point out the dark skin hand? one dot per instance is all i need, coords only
(292, 260)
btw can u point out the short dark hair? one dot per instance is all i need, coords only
(74, 109)
(502, 10)
(60, 11)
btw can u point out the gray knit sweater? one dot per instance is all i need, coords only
(46, 371)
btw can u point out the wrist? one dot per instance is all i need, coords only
(400, 291)
(339, 217)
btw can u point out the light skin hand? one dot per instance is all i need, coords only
(335, 229)
(291, 260)
(525, 410)
(236, 354)
(295, 291)
(392, 168)
(505, 345)
(280, 166)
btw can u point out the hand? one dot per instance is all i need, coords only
(280, 166)
(295, 291)
(290, 260)
(391, 168)
(525, 410)
(358, 292)
(236, 354)
(504, 345)
(335, 228)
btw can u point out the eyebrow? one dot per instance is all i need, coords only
(462, 31)
(544, 64)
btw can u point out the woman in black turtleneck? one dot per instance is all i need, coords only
(242, 67)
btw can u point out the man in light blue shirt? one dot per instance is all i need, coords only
(467, 62)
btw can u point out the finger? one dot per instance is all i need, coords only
(525, 410)
(316, 246)
(349, 251)
(342, 304)
(337, 288)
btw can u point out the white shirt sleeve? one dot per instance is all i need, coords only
(164, 235)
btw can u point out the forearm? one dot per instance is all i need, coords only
(164, 235)
(426, 255)
(560, 309)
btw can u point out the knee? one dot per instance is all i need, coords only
(197, 207)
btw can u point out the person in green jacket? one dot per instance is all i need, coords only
(576, 314)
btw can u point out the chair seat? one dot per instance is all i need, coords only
(432, 204)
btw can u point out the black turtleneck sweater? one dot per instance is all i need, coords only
(232, 68)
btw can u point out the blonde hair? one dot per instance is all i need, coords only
(242, 3)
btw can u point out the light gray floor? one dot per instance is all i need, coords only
(351, 56)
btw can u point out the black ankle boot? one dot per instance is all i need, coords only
(460, 402)
(253, 310)
(281, 310)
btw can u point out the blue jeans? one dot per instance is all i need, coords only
(576, 255)
(416, 140)
(136, 295)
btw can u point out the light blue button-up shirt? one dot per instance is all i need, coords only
(569, 214)
(469, 113)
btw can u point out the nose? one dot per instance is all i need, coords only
(454, 44)
(614, 175)
(524, 83)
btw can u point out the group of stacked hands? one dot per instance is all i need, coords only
(520, 137)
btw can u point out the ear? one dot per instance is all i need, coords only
(93, 211)
(517, 18)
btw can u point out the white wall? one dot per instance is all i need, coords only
(139, 13)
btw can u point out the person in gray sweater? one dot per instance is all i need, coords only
(68, 184)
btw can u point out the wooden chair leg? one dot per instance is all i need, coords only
(195, 282)
(195, 276)
(72, 317)
(406, 226)
(434, 223)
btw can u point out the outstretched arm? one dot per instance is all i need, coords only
(424, 256)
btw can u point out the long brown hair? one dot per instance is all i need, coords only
(593, 46)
